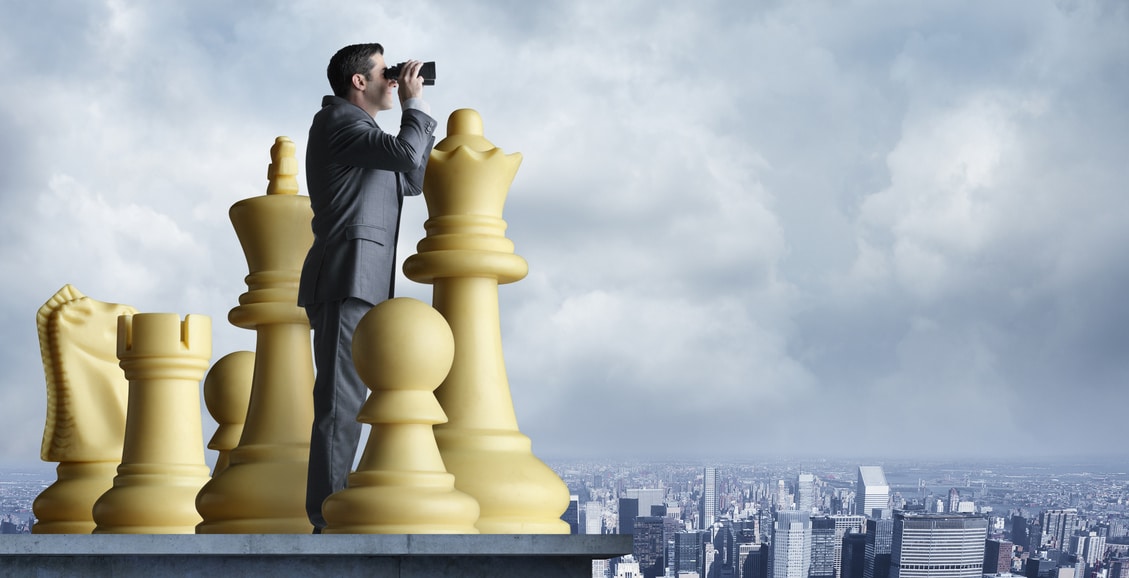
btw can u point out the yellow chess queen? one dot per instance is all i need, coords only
(465, 256)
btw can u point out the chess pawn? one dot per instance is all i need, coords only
(402, 349)
(227, 392)
(465, 255)
(263, 489)
(162, 466)
(86, 407)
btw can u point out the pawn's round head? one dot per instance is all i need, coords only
(227, 387)
(403, 343)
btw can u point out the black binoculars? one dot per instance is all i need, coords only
(427, 71)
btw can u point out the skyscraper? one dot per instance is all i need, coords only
(872, 492)
(1119, 568)
(689, 553)
(782, 500)
(1019, 532)
(725, 544)
(709, 498)
(651, 535)
(1059, 525)
(593, 518)
(572, 514)
(1087, 547)
(823, 548)
(648, 498)
(628, 511)
(938, 545)
(954, 500)
(876, 553)
(845, 525)
(753, 561)
(805, 492)
(997, 557)
(791, 545)
(854, 555)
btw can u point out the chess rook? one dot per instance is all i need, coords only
(402, 349)
(162, 469)
(263, 489)
(465, 256)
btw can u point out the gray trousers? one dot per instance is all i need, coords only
(338, 396)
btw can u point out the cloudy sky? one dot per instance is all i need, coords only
(874, 228)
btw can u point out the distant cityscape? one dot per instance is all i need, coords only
(855, 519)
(829, 518)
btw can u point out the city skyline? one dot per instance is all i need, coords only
(753, 228)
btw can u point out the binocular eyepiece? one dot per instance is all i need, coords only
(427, 71)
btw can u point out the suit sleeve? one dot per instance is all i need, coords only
(415, 178)
(361, 143)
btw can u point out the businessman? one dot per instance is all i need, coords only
(357, 176)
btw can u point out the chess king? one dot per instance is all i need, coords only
(263, 488)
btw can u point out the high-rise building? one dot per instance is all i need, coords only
(689, 553)
(1041, 568)
(600, 568)
(938, 545)
(572, 514)
(854, 556)
(1087, 547)
(648, 498)
(651, 536)
(782, 500)
(593, 518)
(709, 498)
(1119, 568)
(1019, 532)
(879, 543)
(997, 557)
(627, 567)
(844, 525)
(823, 547)
(628, 511)
(725, 543)
(753, 561)
(791, 545)
(872, 491)
(1059, 526)
(805, 492)
(1035, 535)
(954, 500)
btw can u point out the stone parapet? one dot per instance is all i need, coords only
(277, 555)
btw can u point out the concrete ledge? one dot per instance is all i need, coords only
(400, 555)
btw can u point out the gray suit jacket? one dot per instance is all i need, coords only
(357, 176)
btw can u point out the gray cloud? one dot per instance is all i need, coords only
(866, 227)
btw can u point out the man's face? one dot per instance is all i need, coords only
(379, 91)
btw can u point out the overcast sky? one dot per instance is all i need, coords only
(876, 228)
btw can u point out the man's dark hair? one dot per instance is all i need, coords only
(353, 59)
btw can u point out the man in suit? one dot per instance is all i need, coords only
(357, 176)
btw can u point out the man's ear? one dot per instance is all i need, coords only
(359, 81)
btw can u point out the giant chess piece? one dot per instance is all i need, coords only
(263, 489)
(227, 392)
(86, 407)
(465, 256)
(402, 349)
(162, 469)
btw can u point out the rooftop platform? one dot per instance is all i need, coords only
(276, 555)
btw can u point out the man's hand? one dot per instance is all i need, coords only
(410, 83)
